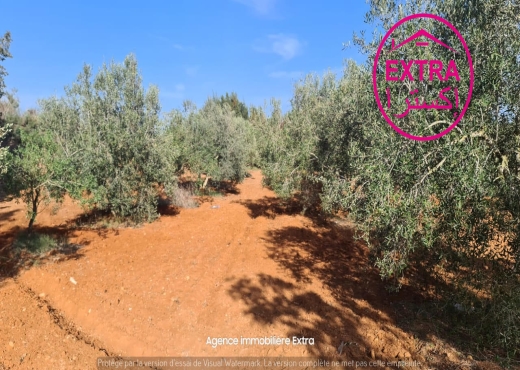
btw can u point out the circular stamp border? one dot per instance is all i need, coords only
(374, 77)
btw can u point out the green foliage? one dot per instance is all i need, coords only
(10, 115)
(5, 43)
(37, 172)
(5, 128)
(9, 107)
(238, 107)
(453, 203)
(212, 140)
(34, 243)
(109, 127)
(307, 151)
(458, 196)
(4, 131)
(269, 136)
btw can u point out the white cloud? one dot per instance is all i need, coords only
(178, 46)
(284, 45)
(286, 74)
(261, 7)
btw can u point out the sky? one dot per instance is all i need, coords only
(191, 49)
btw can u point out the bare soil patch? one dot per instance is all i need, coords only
(244, 264)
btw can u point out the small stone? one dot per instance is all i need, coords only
(407, 354)
(11, 344)
(41, 295)
(372, 354)
(470, 358)
(73, 281)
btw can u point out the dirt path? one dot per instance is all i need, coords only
(245, 269)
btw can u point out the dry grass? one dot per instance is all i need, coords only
(183, 198)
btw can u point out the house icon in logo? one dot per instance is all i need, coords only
(421, 33)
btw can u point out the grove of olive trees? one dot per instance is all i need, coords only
(449, 206)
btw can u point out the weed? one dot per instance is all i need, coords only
(34, 243)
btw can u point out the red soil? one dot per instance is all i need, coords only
(248, 268)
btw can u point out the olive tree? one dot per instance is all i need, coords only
(37, 172)
(450, 204)
(213, 140)
(111, 127)
(453, 203)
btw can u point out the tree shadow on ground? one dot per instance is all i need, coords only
(14, 260)
(271, 300)
(100, 221)
(272, 207)
(167, 209)
(361, 313)
(223, 188)
(7, 216)
(329, 260)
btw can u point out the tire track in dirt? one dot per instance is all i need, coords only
(65, 325)
(39, 336)
(69, 327)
